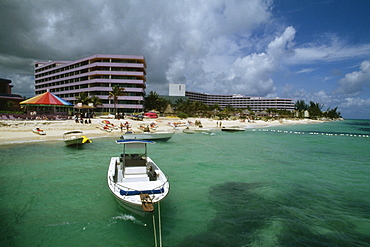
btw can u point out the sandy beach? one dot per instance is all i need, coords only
(16, 131)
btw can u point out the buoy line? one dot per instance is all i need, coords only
(312, 133)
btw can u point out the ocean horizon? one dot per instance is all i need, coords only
(293, 185)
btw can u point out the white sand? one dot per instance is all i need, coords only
(14, 131)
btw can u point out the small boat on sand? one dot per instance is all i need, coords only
(136, 182)
(75, 138)
(38, 131)
(232, 129)
(187, 130)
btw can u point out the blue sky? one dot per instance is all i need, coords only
(304, 50)
(340, 29)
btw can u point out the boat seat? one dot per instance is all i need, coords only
(129, 162)
(136, 178)
(135, 170)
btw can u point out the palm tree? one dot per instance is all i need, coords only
(83, 98)
(228, 110)
(151, 101)
(300, 106)
(96, 100)
(116, 91)
(199, 107)
(332, 113)
(315, 109)
(162, 104)
(184, 106)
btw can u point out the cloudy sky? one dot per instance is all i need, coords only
(312, 50)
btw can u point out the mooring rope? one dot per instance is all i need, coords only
(155, 232)
(159, 228)
(159, 224)
(205, 144)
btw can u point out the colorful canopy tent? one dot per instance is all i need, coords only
(46, 104)
(46, 99)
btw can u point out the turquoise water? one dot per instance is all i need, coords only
(302, 185)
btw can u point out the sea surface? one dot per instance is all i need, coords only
(299, 185)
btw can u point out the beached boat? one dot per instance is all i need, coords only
(136, 182)
(158, 136)
(106, 125)
(75, 138)
(187, 130)
(232, 129)
(38, 131)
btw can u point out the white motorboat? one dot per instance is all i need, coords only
(38, 131)
(136, 182)
(188, 130)
(157, 135)
(75, 138)
(232, 129)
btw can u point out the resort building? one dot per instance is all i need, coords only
(256, 104)
(8, 101)
(96, 75)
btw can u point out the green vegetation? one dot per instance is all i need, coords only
(116, 91)
(96, 100)
(85, 99)
(154, 102)
(185, 108)
(314, 110)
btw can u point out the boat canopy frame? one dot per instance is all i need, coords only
(134, 157)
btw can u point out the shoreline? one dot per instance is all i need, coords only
(20, 131)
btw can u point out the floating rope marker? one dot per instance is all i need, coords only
(313, 133)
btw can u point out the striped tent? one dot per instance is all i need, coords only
(46, 99)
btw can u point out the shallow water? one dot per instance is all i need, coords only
(301, 185)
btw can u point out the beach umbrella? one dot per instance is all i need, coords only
(84, 107)
(46, 99)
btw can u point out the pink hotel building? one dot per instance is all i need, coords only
(256, 104)
(96, 75)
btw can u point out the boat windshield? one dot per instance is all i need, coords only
(135, 150)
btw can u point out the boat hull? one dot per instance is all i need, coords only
(38, 132)
(158, 136)
(74, 142)
(196, 130)
(133, 208)
(232, 129)
(75, 138)
(127, 194)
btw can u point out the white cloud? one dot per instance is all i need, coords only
(306, 70)
(211, 43)
(331, 52)
(223, 70)
(355, 108)
(353, 83)
(353, 103)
